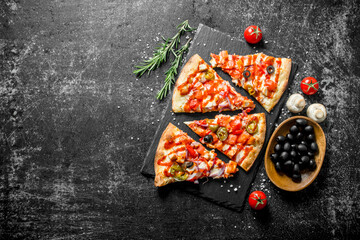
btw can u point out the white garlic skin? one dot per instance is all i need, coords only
(296, 103)
(317, 112)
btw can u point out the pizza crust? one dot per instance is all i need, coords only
(160, 178)
(260, 138)
(282, 84)
(178, 100)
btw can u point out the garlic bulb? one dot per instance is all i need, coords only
(317, 112)
(295, 103)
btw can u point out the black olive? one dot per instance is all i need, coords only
(246, 74)
(293, 146)
(309, 129)
(296, 177)
(303, 143)
(278, 166)
(287, 146)
(301, 122)
(310, 138)
(312, 164)
(208, 139)
(299, 136)
(290, 137)
(278, 147)
(288, 165)
(301, 165)
(189, 164)
(280, 139)
(293, 153)
(284, 156)
(305, 160)
(270, 69)
(302, 148)
(274, 157)
(294, 129)
(314, 147)
(311, 154)
(296, 168)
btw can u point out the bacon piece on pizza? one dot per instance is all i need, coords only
(180, 158)
(264, 77)
(200, 89)
(240, 137)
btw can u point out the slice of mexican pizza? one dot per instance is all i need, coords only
(240, 137)
(200, 89)
(180, 158)
(264, 77)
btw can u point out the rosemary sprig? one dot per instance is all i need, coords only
(172, 71)
(161, 53)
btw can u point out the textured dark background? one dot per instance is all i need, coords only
(76, 123)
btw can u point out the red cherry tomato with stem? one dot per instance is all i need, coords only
(309, 85)
(257, 200)
(253, 34)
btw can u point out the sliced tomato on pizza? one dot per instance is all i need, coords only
(264, 77)
(240, 137)
(180, 158)
(200, 89)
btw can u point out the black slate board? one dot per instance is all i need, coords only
(206, 41)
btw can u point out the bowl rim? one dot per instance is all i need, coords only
(267, 157)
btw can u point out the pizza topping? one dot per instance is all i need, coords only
(209, 75)
(251, 90)
(213, 128)
(190, 151)
(270, 69)
(206, 92)
(222, 133)
(217, 172)
(189, 164)
(246, 74)
(252, 127)
(208, 139)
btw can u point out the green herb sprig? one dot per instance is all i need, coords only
(161, 54)
(172, 71)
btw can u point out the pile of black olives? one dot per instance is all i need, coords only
(295, 151)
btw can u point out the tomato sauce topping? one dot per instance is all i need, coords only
(235, 65)
(202, 92)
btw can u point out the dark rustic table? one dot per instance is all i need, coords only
(76, 123)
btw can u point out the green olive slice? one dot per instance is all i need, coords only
(214, 128)
(222, 133)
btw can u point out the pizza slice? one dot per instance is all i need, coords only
(240, 137)
(264, 77)
(200, 89)
(180, 158)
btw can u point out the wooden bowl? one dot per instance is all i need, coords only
(280, 179)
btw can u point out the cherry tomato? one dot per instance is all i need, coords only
(253, 34)
(309, 85)
(257, 200)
